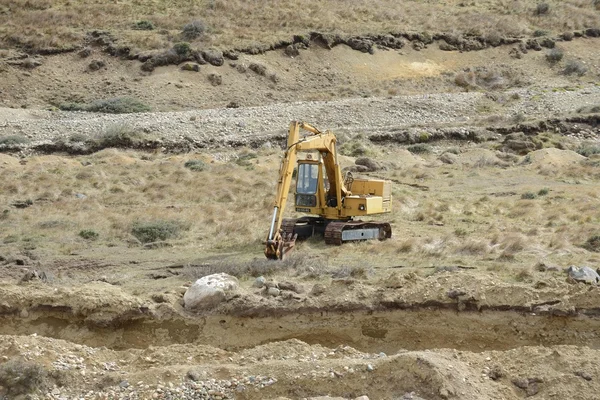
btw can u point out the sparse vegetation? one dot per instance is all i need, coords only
(588, 149)
(542, 9)
(20, 377)
(554, 55)
(419, 148)
(143, 25)
(182, 48)
(117, 105)
(484, 78)
(195, 165)
(574, 67)
(543, 192)
(528, 196)
(89, 234)
(158, 230)
(118, 135)
(13, 140)
(593, 243)
(193, 30)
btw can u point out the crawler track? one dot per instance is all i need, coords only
(334, 230)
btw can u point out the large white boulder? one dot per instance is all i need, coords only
(209, 291)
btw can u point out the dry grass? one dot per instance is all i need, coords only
(49, 23)
(476, 215)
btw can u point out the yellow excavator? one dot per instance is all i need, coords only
(321, 191)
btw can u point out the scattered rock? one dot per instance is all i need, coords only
(85, 52)
(584, 375)
(292, 51)
(215, 79)
(361, 44)
(95, 65)
(230, 54)
(318, 289)
(259, 282)
(233, 104)
(455, 293)
(190, 67)
(291, 286)
(209, 291)
(34, 275)
(214, 57)
(447, 47)
(583, 274)
(448, 158)
(273, 291)
(529, 385)
(370, 164)
(495, 373)
(258, 69)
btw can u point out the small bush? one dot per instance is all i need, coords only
(19, 377)
(528, 196)
(88, 234)
(593, 243)
(575, 67)
(13, 140)
(419, 148)
(542, 9)
(143, 25)
(245, 157)
(543, 192)
(588, 149)
(539, 33)
(554, 56)
(117, 105)
(195, 165)
(118, 136)
(153, 231)
(182, 48)
(193, 30)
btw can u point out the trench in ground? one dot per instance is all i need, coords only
(368, 331)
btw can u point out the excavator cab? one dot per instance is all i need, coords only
(307, 185)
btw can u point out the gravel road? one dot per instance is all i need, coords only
(364, 115)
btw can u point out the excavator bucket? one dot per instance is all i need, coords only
(280, 248)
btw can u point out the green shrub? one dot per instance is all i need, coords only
(193, 30)
(543, 192)
(554, 55)
(195, 165)
(89, 234)
(116, 105)
(143, 25)
(588, 149)
(153, 231)
(575, 67)
(528, 196)
(245, 157)
(542, 9)
(419, 148)
(182, 48)
(13, 140)
(20, 377)
(121, 135)
(539, 33)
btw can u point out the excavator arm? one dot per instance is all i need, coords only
(278, 246)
